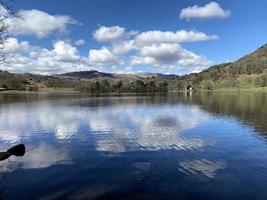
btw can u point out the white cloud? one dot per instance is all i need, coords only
(125, 50)
(188, 58)
(13, 46)
(79, 42)
(155, 48)
(113, 34)
(39, 23)
(170, 57)
(180, 36)
(210, 10)
(123, 47)
(109, 34)
(65, 52)
(102, 56)
(139, 60)
(162, 53)
(24, 57)
(123, 42)
(63, 57)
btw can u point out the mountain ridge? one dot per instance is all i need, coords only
(94, 74)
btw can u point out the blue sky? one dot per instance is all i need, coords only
(126, 36)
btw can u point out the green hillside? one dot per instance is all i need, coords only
(249, 71)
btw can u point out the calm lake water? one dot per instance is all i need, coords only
(177, 146)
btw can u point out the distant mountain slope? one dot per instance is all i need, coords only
(86, 75)
(101, 75)
(156, 75)
(248, 71)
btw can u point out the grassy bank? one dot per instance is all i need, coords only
(236, 89)
(72, 90)
(41, 90)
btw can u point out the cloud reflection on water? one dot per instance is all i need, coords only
(207, 167)
(45, 155)
(114, 129)
(147, 128)
(40, 156)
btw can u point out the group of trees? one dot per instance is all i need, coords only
(138, 86)
(261, 80)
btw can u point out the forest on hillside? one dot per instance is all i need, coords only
(247, 72)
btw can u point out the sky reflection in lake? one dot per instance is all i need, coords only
(106, 145)
(113, 128)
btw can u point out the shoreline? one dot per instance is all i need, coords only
(72, 91)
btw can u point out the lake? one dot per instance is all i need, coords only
(202, 146)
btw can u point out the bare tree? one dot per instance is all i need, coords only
(4, 27)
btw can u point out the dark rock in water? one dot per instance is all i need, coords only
(4, 155)
(18, 150)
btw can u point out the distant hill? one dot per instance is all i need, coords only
(93, 74)
(156, 75)
(248, 71)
